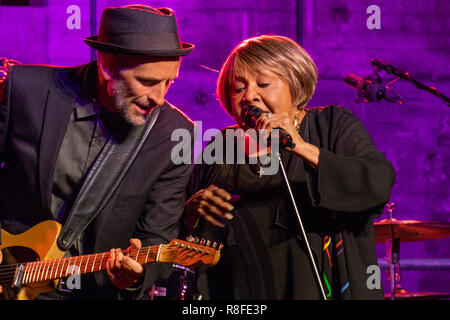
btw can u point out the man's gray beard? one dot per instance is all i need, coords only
(122, 106)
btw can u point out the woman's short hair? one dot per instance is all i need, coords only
(277, 54)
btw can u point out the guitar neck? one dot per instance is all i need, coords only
(37, 271)
(189, 254)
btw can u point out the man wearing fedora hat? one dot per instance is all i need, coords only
(57, 125)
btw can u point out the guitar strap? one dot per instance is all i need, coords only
(103, 179)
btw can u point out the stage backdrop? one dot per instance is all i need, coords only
(341, 36)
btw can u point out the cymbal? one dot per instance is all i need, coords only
(410, 230)
(406, 295)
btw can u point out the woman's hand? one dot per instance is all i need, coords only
(212, 204)
(269, 121)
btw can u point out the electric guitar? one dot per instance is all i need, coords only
(26, 280)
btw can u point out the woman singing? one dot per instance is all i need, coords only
(339, 179)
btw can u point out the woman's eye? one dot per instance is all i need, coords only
(263, 85)
(238, 90)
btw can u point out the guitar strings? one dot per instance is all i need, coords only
(8, 271)
(142, 252)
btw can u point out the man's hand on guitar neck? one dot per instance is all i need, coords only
(123, 271)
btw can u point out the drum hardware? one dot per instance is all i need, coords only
(186, 290)
(157, 292)
(402, 294)
(410, 230)
(392, 231)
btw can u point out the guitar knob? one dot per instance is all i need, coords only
(196, 240)
(190, 238)
(220, 247)
(214, 245)
(208, 243)
(202, 241)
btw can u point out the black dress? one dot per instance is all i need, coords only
(264, 256)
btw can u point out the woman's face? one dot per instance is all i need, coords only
(264, 90)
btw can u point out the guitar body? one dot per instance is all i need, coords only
(41, 239)
(33, 261)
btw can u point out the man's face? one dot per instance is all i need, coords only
(139, 84)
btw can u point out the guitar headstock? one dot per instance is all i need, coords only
(191, 253)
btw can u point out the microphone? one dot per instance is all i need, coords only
(371, 88)
(250, 114)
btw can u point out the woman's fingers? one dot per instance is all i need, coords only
(220, 199)
(212, 204)
(276, 120)
(266, 124)
(208, 217)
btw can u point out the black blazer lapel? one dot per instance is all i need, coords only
(65, 94)
(56, 118)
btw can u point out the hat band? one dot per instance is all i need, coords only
(142, 41)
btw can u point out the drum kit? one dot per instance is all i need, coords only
(392, 232)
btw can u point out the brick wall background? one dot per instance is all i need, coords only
(414, 36)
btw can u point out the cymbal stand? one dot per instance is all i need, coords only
(393, 257)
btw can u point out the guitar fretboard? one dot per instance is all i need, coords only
(60, 268)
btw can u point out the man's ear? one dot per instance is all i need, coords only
(102, 67)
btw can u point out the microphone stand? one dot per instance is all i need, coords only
(302, 229)
(390, 69)
(250, 115)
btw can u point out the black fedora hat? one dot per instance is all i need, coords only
(139, 29)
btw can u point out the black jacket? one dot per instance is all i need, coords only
(37, 104)
(349, 188)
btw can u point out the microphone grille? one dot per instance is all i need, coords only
(250, 114)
